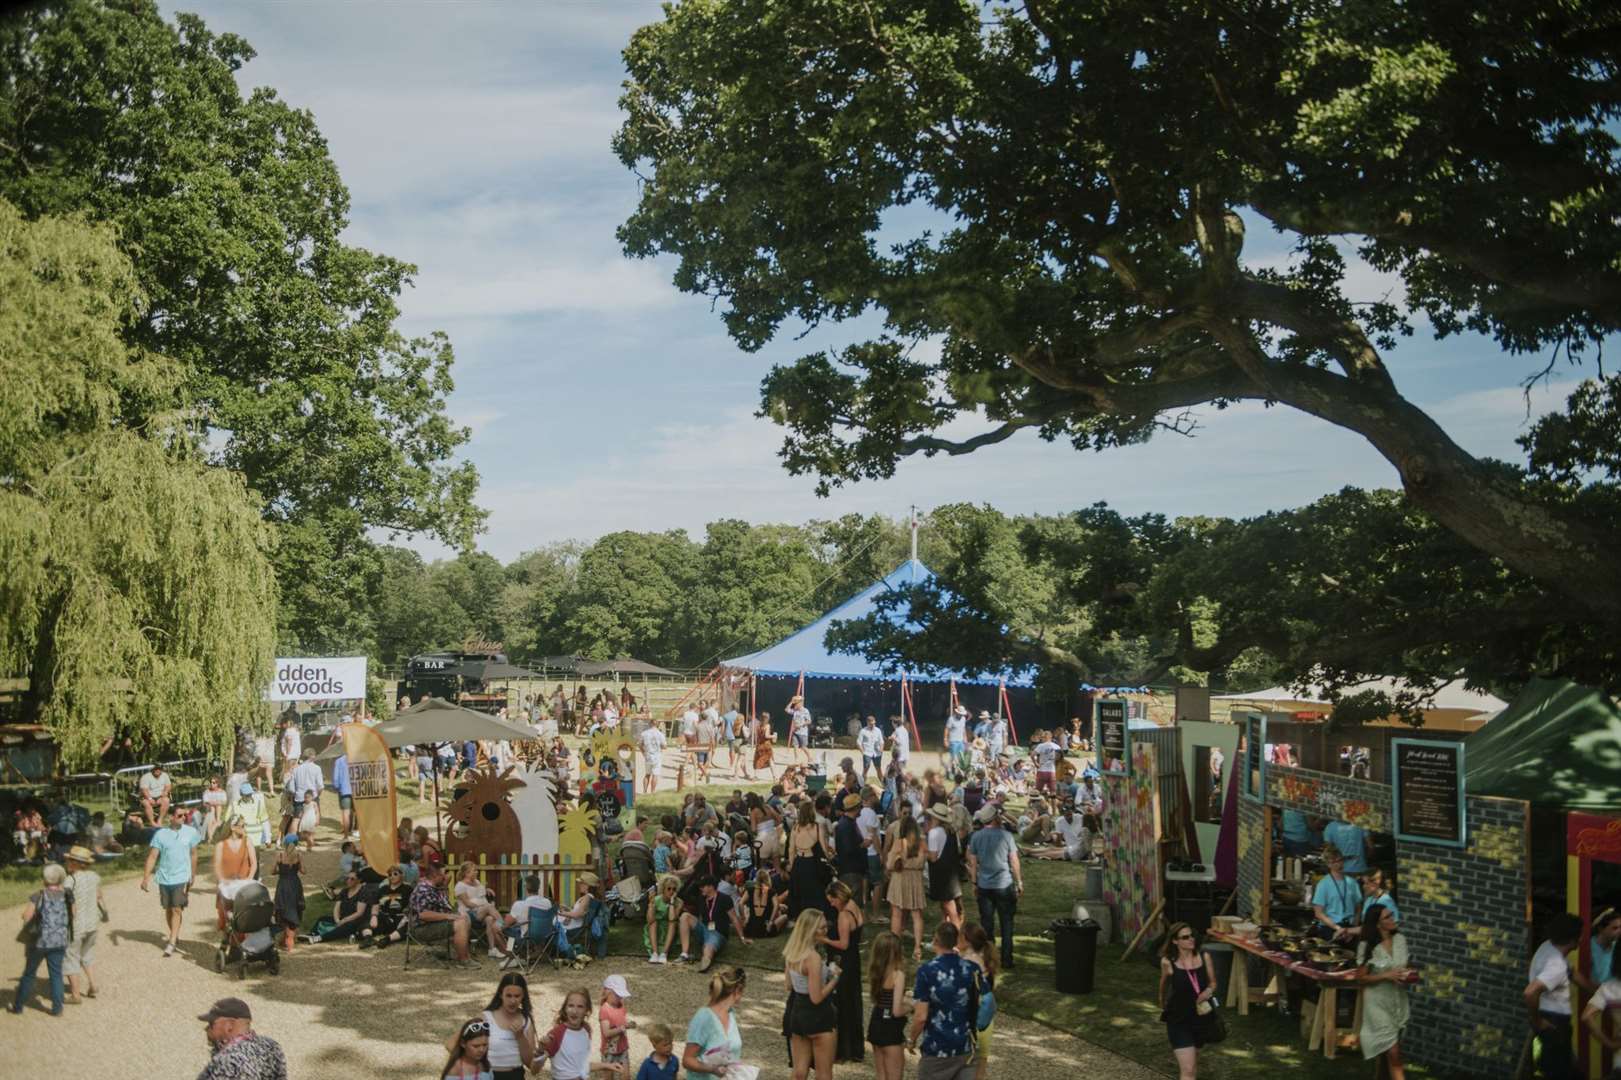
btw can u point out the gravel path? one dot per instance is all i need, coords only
(339, 1012)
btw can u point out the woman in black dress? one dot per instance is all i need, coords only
(886, 1029)
(809, 868)
(1187, 981)
(844, 949)
(944, 854)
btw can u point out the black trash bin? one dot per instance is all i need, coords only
(1075, 954)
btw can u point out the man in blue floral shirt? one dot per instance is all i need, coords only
(943, 1012)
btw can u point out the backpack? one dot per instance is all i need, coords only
(985, 1010)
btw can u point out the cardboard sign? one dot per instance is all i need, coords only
(1109, 737)
(371, 781)
(1427, 781)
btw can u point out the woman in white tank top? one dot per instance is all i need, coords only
(512, 1028)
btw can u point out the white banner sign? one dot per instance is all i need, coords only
(310, 678)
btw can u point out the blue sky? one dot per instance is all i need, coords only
(474, 138)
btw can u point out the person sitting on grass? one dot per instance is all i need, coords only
(103, 838)
(714, 916)
(386, 922)
(350, 911)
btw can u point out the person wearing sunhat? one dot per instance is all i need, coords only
(849, 848)
(84, 885)
(943, 849)
(799, 726)
(236, 1051)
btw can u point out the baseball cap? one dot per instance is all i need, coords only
(616, 983)
(245, 789)
(234, 1008)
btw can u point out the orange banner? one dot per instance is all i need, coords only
(371, 779)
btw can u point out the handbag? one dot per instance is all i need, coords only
(1212, 1027)
(28, 933)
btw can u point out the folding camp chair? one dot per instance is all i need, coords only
(539, 940)
(408, 930)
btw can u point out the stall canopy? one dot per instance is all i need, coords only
(596, 669)
(437, 721)
(1451, 700)
(805, 651)
(1558, 745)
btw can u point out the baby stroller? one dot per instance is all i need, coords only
(247, 938)
(625, 898)
(636, 860)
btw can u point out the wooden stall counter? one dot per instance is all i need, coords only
(1325, 1032)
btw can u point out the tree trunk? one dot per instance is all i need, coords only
(1547, 543)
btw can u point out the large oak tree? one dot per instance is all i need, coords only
(1057, 193)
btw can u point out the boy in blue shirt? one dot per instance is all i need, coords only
(662, 1063)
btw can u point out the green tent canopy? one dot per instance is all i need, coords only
(1557, 745)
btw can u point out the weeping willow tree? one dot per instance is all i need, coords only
(136, 594)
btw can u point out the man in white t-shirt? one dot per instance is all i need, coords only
(956, 737)
(1074, 834)
(1607, 996)
(900, 742)
(652, 743)
(871, 828)
(1046, 754)
(292, 745)
(689, 725)
(156, 787)
(870, 740)
(1547, 996)
(516, 920)
(996, 737)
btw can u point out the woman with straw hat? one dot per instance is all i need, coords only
(84, 885)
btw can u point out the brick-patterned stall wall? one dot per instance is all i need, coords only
(1463, 911)
(1464, 914)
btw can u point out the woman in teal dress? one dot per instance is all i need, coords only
(1382, 953)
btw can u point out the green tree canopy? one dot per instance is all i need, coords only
(136, 593)
(232, 211)
(1057, 194)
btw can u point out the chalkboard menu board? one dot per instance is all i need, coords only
(1110, 739)
(1427, 777)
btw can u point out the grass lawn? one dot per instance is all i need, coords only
(18, 883)
(1120, 1014)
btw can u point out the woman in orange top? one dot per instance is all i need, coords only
(235, 862)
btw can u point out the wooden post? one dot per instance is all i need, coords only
(1153, 917)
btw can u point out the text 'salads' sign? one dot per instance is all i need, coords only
(1427, 778)
(1110, 741)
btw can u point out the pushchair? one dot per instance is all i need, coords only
(247, 938)
(625, 898)
(636, 860)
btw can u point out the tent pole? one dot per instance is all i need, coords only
(438, 827)
(910, 711)
(1005, 704)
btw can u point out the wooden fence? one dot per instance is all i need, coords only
(504, 874)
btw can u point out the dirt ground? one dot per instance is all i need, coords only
(339, 1012)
